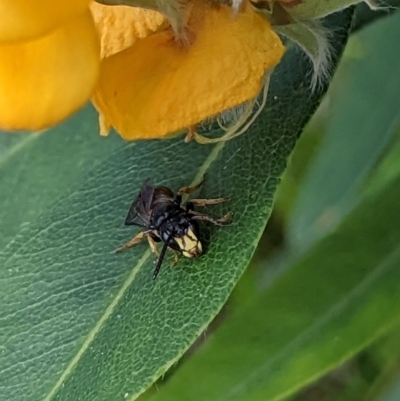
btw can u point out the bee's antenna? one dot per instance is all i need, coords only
(160, 259)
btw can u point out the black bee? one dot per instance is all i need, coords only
(164, 218)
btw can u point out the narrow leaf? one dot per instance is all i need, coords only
(363, 121)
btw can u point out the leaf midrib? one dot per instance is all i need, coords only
(91, 335)
(20, 145)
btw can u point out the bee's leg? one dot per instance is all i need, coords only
(153, 245)
(223, 221)
(135, 240)
(176, 257)
(189, 190)
(205, 202)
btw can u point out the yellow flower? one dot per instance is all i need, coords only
(27, 19)
(150, 84)
(49, 61)
(157, 86)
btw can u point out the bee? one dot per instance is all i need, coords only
(164, 218)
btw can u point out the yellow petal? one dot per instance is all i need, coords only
(27, 19)
(119, 27)
(45, 80)
(157, 87)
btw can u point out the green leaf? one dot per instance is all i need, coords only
(9, 143)
(379, 365)
(368, 374)
(364, 118)
(37, 169)
(341, 296)
(314, 9)
(78, 321)
(387, 170)
(364, 15)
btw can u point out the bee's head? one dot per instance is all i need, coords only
(189, 244)
(184, 237)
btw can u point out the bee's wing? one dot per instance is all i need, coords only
(140, 210)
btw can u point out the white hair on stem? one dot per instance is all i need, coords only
(322, 58)
(312, 38)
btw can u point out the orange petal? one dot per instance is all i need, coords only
(156, 87)
(45, 80)
(27, 19)
(119, 27)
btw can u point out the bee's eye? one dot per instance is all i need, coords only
(165, 234)
(158, 221)
(173, 244)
